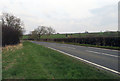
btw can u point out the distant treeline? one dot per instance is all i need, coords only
(11, 29)
(101, 41)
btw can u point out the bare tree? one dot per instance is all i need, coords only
(41, 30)
(50, 30)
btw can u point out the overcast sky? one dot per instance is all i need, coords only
(65, 16)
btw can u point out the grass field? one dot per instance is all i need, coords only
(78, 35)
(33, 61)
(25, 37)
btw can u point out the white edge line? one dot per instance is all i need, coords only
(86, 61)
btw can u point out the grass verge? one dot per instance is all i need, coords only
(33, 61)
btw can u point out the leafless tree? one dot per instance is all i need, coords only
(41, 30)
(50, 30)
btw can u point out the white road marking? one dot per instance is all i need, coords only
(102, 53)
(86, 61)
(62, 46)
(68, 47)
(71, 47)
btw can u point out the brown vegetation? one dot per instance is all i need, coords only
(12, 47)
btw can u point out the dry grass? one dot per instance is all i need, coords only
(12, 47)
(9, 48)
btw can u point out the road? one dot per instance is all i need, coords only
(102, 58)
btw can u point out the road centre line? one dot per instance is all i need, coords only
(71, 47)
(68, 47)
(104, 49)
(103, 67)
(102, 53)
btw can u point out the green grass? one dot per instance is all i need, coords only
(25, 37)
(37, 62)
(78, 35)
(54, 36)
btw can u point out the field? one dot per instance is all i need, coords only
(32, 61)
(78, 35)
(106, 40)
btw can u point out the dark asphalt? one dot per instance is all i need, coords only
(104, 57)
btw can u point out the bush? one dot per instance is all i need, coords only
(100, 41)
(11, 29)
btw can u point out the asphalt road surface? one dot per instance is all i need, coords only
(102, 58)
